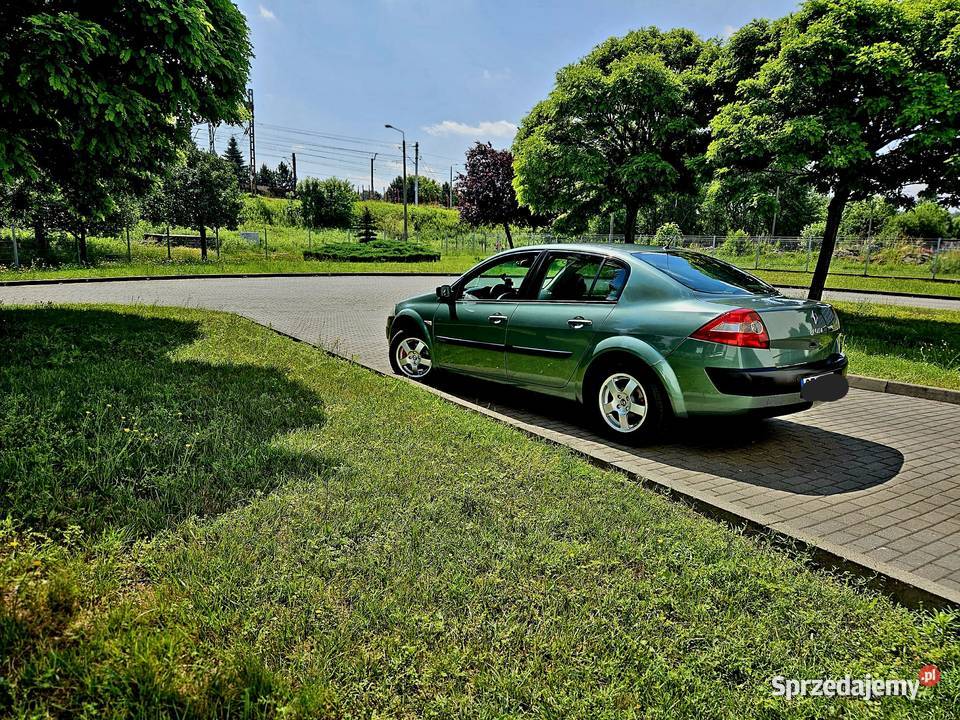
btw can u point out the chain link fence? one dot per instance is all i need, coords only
(910, 258)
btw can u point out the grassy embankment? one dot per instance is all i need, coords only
(206, 519)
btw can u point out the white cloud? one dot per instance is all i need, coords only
(728, 30)
(267, 14)
(484, 129)
(495, 75)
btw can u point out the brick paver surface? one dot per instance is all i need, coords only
(873, 478)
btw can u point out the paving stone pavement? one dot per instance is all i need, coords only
(872, 478)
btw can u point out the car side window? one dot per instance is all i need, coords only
(499, 281)
(610, 281)
(568, 277)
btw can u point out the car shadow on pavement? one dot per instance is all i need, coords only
(776, 454)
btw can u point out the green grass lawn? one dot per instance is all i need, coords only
(914, 345)
(204, 519)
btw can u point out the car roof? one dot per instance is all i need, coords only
(621, 249)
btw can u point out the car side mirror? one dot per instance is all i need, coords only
(445, 293)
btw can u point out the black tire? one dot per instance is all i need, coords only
(632, 429)
(421, 349)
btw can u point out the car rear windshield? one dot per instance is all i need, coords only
(703, 273)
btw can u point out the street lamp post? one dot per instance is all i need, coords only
(404, 150)
(371, 174)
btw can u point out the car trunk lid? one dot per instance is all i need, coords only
(800, 331)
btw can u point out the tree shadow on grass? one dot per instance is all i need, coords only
(101, 427)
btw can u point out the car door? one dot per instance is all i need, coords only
(550, 333)
(470, 332)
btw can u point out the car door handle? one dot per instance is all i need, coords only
(579, 322)
(497, 319)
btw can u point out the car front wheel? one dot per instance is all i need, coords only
(410, 356)
(627, 402)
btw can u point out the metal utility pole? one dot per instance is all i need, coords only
(211, 131)
(293, 161)
(371, 174)
(450, 190)
(253, 144)
(416, 173)
(404, 151)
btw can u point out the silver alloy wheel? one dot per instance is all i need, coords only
(623, 402)
(413, 357)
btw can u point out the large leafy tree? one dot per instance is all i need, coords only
(485, 190)
(855, 97)
(202, 193)
(428, 192)
(98, 96)
(622, 128)
(326, 203)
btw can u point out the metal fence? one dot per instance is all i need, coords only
(928, 258)
(907, 258)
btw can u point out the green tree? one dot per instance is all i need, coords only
(234, 156)
(326, 203)
(429, 190)
(621, 128)
(99, 95)
(925, 220)
(366, 226)
(866, 218)
(266, 178)
(200, 193)
(284, 178)
(668, 234)
(855, 97)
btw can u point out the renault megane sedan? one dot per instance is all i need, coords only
(637, 334)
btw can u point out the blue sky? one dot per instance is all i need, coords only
(449, 72)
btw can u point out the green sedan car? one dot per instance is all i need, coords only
(636, 334)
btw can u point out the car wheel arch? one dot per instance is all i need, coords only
(410, 321)
(614, 350)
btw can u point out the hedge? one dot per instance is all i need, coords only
(376, 251)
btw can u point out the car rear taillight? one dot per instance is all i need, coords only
(741, 327)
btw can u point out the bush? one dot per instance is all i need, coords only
(737, 243)
(668, 234)
(373, 251)
(428, 222)
(326, 203)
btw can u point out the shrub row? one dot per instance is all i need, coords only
(375, 251)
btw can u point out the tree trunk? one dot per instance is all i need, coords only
(203, 243)
(834, 215)
(506, 229)
(82, 245)
(630, 224)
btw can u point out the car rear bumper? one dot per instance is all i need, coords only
(765, 382)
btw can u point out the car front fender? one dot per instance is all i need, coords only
(407, 317)
(646, 353)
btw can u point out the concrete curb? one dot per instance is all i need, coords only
(894, 387)
(906, 587)
(891, 293)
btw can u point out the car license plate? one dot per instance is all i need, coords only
(825, 387)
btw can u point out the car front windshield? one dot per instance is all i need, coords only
(705, 274)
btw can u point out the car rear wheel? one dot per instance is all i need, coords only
(410, 356)
(627, 402)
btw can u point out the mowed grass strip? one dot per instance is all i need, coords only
(907, 344)
(206, 519)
